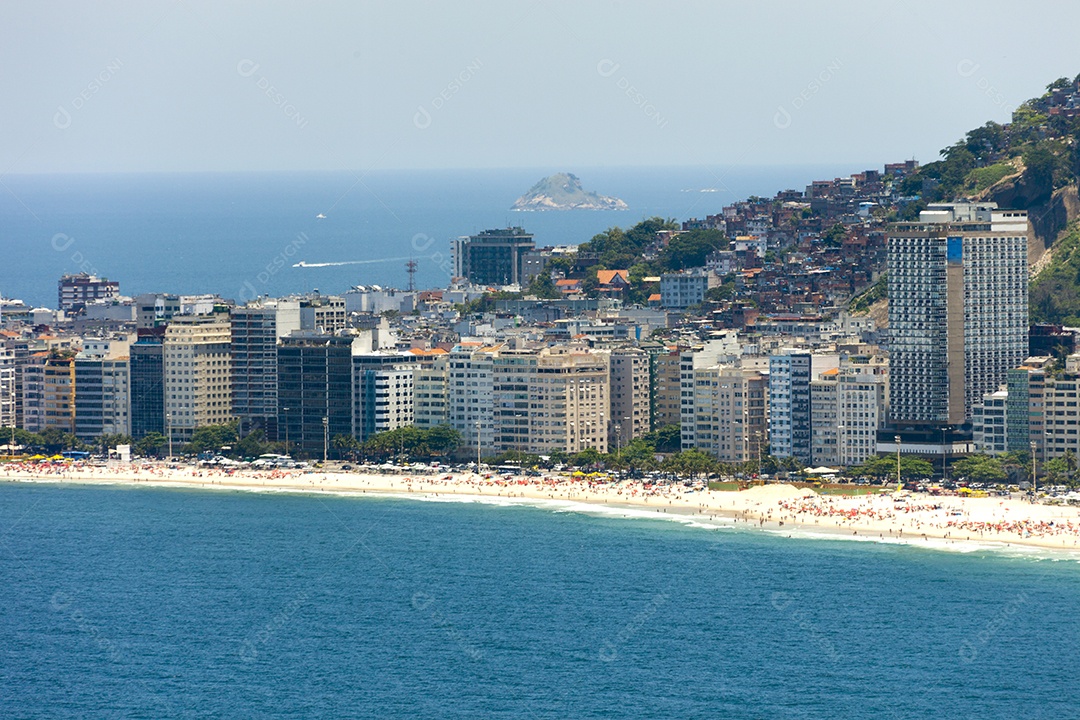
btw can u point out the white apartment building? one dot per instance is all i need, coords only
(382, 390)
(470, 394)
(989, 425)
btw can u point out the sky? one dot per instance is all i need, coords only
(167, 86)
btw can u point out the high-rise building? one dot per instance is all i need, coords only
(666, 387)
(493, 257)
(513, 372)
(1025, 411)
(256, 329)
(958, 312)
(102, 389)
(470, 389)
(630, 417)
(9, 388)
(727, 415)
(32, 392)
(382, 392)
(58, 391)
(790, 407)
(431, 378)
(322, 313)
(74, 291)
(1061, 399)
(198, 373)
(988, 423)
(569, 400)
(315, 390)
(147, 381)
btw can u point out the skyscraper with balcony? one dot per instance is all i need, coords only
(958, 312)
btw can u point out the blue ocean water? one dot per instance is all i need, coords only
(239, 234)
(153, 603)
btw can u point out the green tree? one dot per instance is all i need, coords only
(542, 286)
(690, 463)
(690, 249)
(666, 439)
(345, 446)
(586, 457)
(151, 444)
(252, 445)
(211, 438)
(981, 468)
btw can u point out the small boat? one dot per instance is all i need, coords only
(320, 216)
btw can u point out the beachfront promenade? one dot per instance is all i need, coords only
(893, 517)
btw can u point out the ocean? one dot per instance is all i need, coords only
(161, 603)
(240, 234)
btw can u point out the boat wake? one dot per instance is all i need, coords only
(303, 264)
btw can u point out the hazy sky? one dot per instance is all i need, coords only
(167, 86)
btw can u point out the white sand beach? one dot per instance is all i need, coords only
(892, 517)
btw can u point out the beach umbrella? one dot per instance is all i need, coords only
(37, 457)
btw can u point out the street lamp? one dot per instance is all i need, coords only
(478, 446)
(286, 412)
(1034, 489)
(168, 426)
(899, 483)
(325, 438)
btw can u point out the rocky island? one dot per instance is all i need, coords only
(563, 191)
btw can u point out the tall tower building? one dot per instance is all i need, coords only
(315, 390)
(493, 257)
(197, 363)
(256, 329)
(958, 313)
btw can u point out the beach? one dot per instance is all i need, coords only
(888, 517)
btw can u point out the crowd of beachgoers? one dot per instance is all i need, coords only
(904, 515)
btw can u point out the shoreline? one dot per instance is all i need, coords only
(905, 518)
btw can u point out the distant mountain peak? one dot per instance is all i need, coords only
(563, 191)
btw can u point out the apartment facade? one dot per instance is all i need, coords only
(197, 364)
(256, 329)
(958, 314)
(630, 395)
(102, 389)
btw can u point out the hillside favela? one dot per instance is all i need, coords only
(788, 441)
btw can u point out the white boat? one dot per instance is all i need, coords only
(320, 216)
